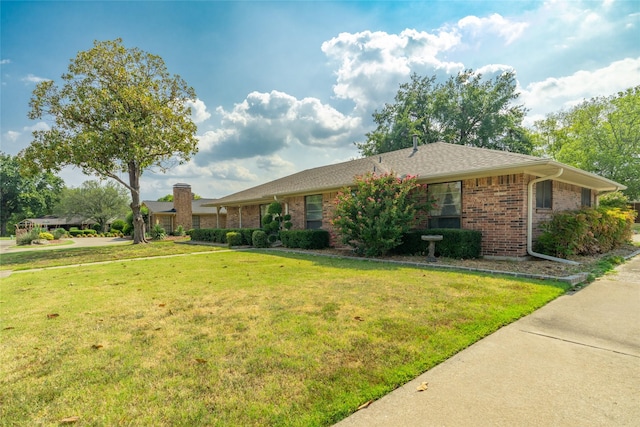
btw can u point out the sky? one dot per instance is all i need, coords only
(284, 86)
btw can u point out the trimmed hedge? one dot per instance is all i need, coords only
(74, 232)
(455, 243)
(219, 235)
(305, 239)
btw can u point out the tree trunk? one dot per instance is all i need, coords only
(138, 220)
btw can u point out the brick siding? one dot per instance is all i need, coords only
(495, 206)
(182, 204)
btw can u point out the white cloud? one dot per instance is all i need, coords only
(265, 123)
(371, 65)
(38, 126)
(199, 111)
(5, 61)
(30, 78)
(494, 24)
(274, 163)
(11, 135)
(556, 93)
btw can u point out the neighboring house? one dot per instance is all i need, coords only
(184, 211)
(51, 222)
(504, 195)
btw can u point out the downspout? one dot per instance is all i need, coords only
(240, 216)
(530, 222)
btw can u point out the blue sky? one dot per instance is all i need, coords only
(287, 86)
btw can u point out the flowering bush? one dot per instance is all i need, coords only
(373, 215)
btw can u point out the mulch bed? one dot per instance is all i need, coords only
(529, 267)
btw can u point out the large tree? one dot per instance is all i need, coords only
(23, 196)
(601, 135)
(117, 112)
(467, 109)
(94, 201)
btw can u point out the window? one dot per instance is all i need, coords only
(195, 221)
(586, 197)
(448, 204)
(313, 211)
(165, 222)
(543, 194)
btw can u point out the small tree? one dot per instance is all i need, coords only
(373, 216)
(272, 221)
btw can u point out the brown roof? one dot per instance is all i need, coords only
(437, 162)
(198, 207)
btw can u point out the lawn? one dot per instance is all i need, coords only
(235, 338)
(40, 258)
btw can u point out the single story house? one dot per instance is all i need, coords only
(184, 210)
(51, 222)
(504, 195)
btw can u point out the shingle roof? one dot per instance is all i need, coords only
(197, 207)
(437, 162)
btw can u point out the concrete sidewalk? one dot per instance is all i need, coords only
(574, 362)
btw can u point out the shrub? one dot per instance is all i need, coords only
(43, 235)
(586, 231)
(59, 233)
(234, 238)
(27, 238)
(90, 232)
(74, 232)
(455, 243)
(259, 239)
(118, 225)
(158, 233)
(305, 239)
(373, 217)
(616, 199)
(219, 235)
(179, 231)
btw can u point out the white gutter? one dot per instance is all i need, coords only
(530, 222)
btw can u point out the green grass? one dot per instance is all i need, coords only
(235, 338)
(41, 258)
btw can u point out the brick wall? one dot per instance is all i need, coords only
(182, 204)
(210, 221)
(497, 207)
(296, 210)
(563, 197)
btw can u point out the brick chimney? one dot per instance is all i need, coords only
(182, 204)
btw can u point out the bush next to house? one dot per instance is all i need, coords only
(305, 239)
(43, 235)
(586, 231)
(259, 239)
(234, 238)
(373, 216)
(219, 235)
(158, 232)
(59, 233)
(455, 243)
